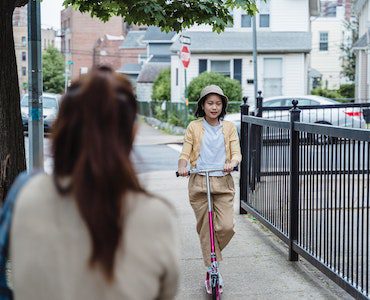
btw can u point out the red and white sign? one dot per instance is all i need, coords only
(185, 55)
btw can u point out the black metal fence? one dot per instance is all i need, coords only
(309, 184)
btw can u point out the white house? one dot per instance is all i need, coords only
(362, 88)
(283, 44)
(328, 34)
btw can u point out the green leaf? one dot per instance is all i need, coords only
(167, 14)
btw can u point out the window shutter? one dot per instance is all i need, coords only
(238, 70)
(202, 65)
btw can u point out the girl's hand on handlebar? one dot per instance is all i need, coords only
(183, 171)
(229, 167)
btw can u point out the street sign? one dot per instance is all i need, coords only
(185, 55)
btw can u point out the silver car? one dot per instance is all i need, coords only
(50, 106)
(346, 117)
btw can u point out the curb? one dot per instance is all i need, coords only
(176, 130)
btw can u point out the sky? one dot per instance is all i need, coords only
(50, 13)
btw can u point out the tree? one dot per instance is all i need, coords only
(230, 87)
(162, 86)
(53, 70)
(169, 15)
(12, 154)
(348, 55)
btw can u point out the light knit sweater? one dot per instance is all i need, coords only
(193, 142)
(50, 249)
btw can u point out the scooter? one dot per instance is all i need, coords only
(213, 274)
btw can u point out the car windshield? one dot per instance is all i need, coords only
(48, 102)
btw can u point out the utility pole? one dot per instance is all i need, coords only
(36, 120)
(255, 80)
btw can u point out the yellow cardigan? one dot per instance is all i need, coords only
(193, 141)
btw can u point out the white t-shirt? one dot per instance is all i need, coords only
(212, 152)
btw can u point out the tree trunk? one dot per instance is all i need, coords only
(12, 153)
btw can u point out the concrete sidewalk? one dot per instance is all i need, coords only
(255, 262)
(148, 135)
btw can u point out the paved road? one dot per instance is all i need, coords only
(149, 158)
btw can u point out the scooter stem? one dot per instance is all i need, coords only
(210, 216)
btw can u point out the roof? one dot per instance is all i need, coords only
(241, 42)
(314, 73)
(150, 72)
(358, 6)
(134, 40)
(155, 34)
(160, 59)
(114, 37)
(361, 43)
(130, 69)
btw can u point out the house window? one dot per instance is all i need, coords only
(246, 21)
(264, 9)
(231, 23)
(24, 41)
(24, 71)
(238, 70)
(324, 37)
(24, 56)
(177, 76)
(273, 76)
(221, 66)
(202, 65)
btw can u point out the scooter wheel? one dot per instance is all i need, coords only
(216, 293)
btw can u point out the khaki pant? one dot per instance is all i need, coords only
(222, 193)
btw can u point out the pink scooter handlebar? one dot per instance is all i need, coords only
(195, 171)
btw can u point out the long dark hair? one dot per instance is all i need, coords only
(92, 140)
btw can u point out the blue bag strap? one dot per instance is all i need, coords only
(6, 214)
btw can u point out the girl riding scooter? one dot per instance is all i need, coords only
(210, 142)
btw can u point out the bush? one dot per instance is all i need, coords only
(159, 113)
(333, 94)
(347, 90)
(162, 86)
(231, 87)
(174, 119)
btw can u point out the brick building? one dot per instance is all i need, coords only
(20, 33)
(80, 33)
(20, 16)
(106, 51)
(133, 54)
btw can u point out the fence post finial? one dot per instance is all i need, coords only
(259, 104)
(295, 103)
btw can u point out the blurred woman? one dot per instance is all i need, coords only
(90, 230)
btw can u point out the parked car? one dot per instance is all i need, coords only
(50, 106)
(345, 117)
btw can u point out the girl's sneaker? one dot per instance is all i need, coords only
(221, 282)
(207, 283)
